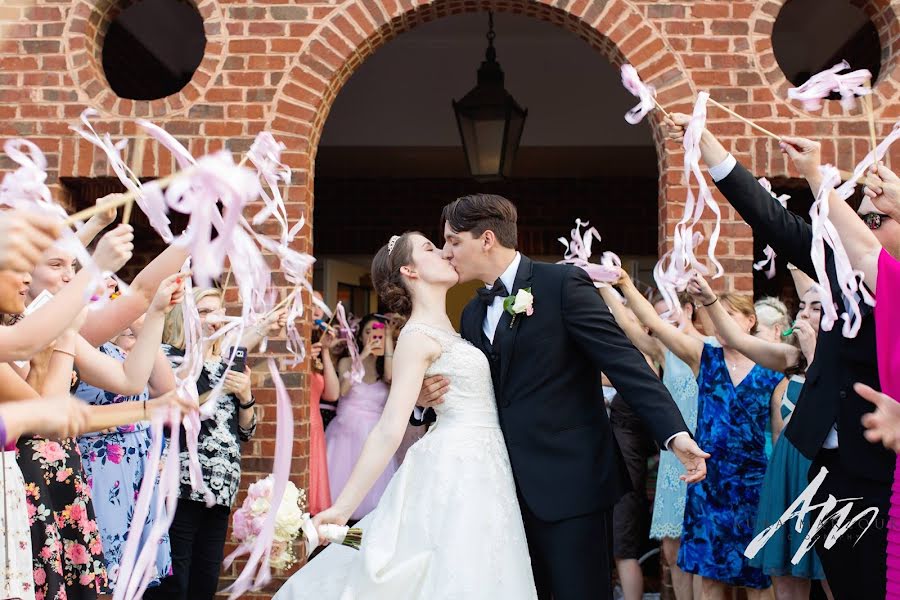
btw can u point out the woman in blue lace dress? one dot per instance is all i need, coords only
(733, 410)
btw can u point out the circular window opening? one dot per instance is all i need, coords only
(152, 48)
(810, 36)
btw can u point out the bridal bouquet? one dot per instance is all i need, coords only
(249, 519)
(290, 523)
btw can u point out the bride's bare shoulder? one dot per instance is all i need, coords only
(416, 343)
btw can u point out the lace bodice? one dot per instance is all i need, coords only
(470, 398)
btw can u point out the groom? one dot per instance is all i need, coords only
(546, 361)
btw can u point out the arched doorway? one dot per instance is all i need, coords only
(615, 28)
(390, 154)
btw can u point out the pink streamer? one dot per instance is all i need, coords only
(674, 269)
(846, 189)
(645, 94)
(181, 154)
(821, 85)
(357, 370)
(186, 375)
(261, 548)
(28, 183)
(849, 280)
(578, 253)
(214, 179)
(265, 154)
(769, 260)
(149, 200)
(768, 251)
(137, 566)
(203, 184)
(26, 188)
(167, 504)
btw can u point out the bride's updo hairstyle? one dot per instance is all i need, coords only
(386, 275)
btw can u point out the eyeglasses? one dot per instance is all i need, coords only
(874, 220)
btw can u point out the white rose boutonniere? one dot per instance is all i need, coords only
(521, 303)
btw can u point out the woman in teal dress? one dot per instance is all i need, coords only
(787, 477)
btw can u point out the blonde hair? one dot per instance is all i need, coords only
(742, 304)
(772, 312)
(173, 329)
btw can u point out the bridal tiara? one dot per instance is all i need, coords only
(391, 243)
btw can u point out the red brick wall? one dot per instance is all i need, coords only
(277, 64)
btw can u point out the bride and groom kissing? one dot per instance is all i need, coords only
(510, 493)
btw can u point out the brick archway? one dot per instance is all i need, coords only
(337, 47)
(882, 13)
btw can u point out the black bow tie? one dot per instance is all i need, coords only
(497, 290)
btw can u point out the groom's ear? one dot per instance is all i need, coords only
(488, 240)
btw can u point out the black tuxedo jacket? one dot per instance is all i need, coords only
(547, 379)
(827, 397)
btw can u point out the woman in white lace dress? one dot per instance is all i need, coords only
(448, 526)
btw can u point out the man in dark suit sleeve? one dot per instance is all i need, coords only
(825, 425)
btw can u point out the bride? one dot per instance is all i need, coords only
(448, 526)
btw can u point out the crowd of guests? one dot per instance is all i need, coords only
(773, 397)
(78, 388)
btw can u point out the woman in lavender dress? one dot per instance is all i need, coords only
(359, 409)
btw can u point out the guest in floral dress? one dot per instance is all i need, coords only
(64, 534)
(66, 540)
(114, 461)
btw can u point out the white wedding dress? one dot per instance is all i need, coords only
(448, 527)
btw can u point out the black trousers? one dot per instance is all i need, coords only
(855, 570)
(197, 537)
(631, 514)
(571, 559)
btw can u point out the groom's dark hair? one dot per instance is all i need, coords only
(479, 212)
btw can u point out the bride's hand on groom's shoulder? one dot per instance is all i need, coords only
(433, 390)
(691, 456)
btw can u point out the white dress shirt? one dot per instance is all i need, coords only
(495, 310)
(718, 173)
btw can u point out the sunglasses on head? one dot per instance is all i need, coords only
(873, 220)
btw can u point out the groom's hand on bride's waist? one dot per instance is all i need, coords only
(433, 390)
